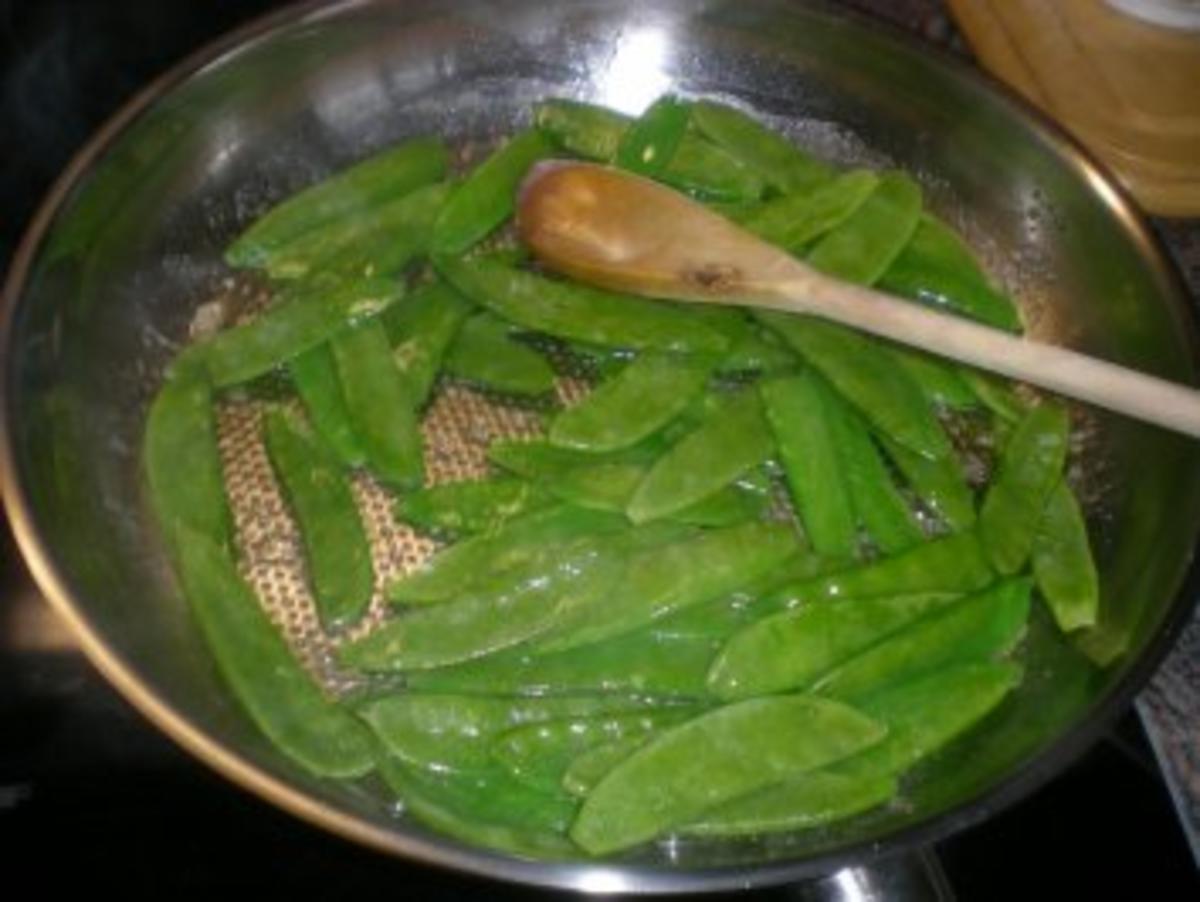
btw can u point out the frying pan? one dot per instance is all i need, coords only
(128, 246)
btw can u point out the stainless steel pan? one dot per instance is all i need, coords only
(127, 247)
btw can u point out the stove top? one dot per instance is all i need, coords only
(90, 792)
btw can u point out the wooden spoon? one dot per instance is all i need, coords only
(627, 233)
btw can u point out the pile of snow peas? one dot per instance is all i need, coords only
(741, 586)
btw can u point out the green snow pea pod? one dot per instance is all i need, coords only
(937, 269)
(758, 351)
(648, 145)
(391, 173)
(315, 377)
(377, 241)
(639, 662)
(590, 767)
(729, 441)
(955, 563)
(924, 713)
(811, 800)
(714, 758)
(600, 481)
(626, 408)
(792, 649)
(867, 242)
(488, 809)
(728, 506)
(940, 483)
(794, 221)
(449, 732)
(456, 568)
(506, 609)
(877, 502)
(1062, 562)
(485, 352)
(941, 382)
(539, 754)
(987, 624)
(421, 328)
(300, 319)
(921, 715)
(697, 165)
(256, 663)
(661, 580)
(867, 376)
(182, 461)
(577, 312)
(380, 404)
(473, 506)
(1029, 469)
(995, 393)
(335, 543)
(777, 160)
(488, 195)
(800, 412)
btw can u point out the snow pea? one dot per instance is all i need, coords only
(315, 378)
(794, 221)
(697, 165)
(987, 624)
(335, 543)
(485, 352)
(801, 417)
(941, 382)
(300, 318)
(1029, 469)
(421, 328)
(658, 581)
(941, 484)
(921, 715)
(380, 404)
(955, 563)
(488, 195)
(598, 481)
(504, 610)
(868, 241)
(539, 754)
(487, 809)
(878, 504)
(792, 649)
(731, 440)
(627, 407)
(181, 438)
(995, 393)
(377, 241)
(777, 160)
(758, 351)
(1062, 561)
(925, 712)
(577, 312)
(811, 800)
(470, 507)
(256, 663)
(590, 767)
(638, 662)
(716, 757)
(863, 373)
(728, 506)
(448, 732)
(649, 144)
(390, 173)
(457, 568)
(937, 269)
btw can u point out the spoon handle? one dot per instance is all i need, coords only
(1058, 369)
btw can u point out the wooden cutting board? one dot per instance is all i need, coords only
(1128, 90)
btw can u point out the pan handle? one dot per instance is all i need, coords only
(915, 876)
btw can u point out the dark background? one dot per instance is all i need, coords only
(92, 795)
